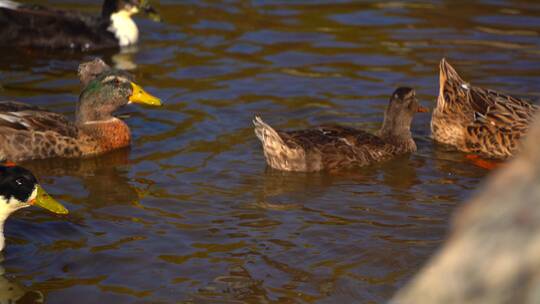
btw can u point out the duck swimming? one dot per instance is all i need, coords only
(332, 147)
(30, 132)
(19, 189)
(36, 26)
(477, 120)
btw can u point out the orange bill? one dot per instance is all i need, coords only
(422, 109)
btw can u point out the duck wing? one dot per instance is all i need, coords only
(339, 146)
(500, 121)
(16, 117)
(499, 108)
(39, 26)
(327, 136)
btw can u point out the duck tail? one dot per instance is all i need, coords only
(449, 81)
(266, 134)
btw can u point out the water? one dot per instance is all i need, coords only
(191, 214)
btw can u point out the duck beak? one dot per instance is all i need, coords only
(422, 109)
(140, 96)
(150, 11)
(45, 201)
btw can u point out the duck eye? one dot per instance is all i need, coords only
(19, 181)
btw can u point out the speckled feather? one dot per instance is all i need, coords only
(30, 132)
(477, 120)
(329, 147)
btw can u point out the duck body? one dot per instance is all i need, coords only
(29, 132)
(478, 120)
(334, 147)
(37, 26)
(325, 148)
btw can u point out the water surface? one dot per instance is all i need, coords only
(191, 213)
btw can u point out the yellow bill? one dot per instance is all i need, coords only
(45, 201)
(140, 96)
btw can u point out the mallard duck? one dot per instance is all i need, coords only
(29, 25)
(29, 132)
(19, 189)
(332, 147)
(477, 120)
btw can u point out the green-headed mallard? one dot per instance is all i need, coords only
(29, 132)
(20, 189)
(332, 147)
(29, 25)
(477, 120)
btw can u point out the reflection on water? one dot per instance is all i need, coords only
(190, 213)
(123, 60)
(13, 292)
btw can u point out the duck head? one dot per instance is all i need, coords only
(400, 112)
(129, 7)
(120, 12)
(19, 189)
(90, 70)
(107, 93)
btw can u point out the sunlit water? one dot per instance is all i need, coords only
(191, 213)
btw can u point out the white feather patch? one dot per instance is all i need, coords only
(9, 4)
(14, 118)
(124, 28)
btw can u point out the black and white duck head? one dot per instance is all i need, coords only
(120, 13)
(19, 189)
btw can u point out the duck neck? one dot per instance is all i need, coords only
(396, 134)
(3, 218)
(124, 28)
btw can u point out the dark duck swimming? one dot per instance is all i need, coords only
(37, 26)
(30, 132)
(332, 147)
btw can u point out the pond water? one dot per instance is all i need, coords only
(191, 213)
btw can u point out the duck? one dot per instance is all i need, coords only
(30, 132)
(476, 120)
(19, 189)
(37, 26)
(334, 147)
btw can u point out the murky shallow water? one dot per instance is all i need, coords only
(190, 213)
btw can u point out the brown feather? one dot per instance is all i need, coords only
(478, 120)
(328, 148)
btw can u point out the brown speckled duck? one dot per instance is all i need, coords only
(29, 132)
(477, 120)
(333, 147)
